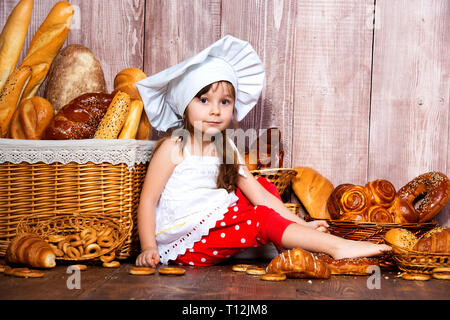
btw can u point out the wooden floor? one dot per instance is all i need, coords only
(213, 283)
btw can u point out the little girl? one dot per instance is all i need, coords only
(199, 203)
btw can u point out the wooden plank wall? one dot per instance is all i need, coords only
(359, 89)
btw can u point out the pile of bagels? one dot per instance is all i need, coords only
(75, 103)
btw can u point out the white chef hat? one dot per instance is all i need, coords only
(167, 93)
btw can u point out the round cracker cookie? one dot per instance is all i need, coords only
(144, 271)
(10, 271)
(242, 267)
(172, 271)
(2, 268)
(273, 277)
(416, 276)
(255, 271)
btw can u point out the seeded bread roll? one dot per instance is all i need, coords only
(114, 118)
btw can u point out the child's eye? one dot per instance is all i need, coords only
(203, 100)
(225, 101)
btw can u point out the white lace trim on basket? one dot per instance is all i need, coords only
(172, 250)
(113, 151)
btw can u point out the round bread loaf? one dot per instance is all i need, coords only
(74, 71)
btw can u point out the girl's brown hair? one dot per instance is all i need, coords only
(228, 172)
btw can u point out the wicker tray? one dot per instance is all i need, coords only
(105, 180)
(418, 262)
(63, 224)
(280, 177)
(371, 231)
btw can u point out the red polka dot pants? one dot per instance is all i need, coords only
(243, 226)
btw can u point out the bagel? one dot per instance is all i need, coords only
(416, 276)
(81, 267)
(144, 271)
(108, 257)
(55, 238)
(2, 268)
(73, 253)
(242, 267)
(273, 277)
(92, 249)
(74, 240)
(255, 271)
(88, 231)
(441, 273)
(172, 271)
(105, 241)
(112, 264)
(28, 274)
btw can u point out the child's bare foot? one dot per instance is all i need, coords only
(359, 249)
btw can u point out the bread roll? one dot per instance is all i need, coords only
(79, 118)
(313, 191)
(74, 71)
(115, 116)
(125, 81)
(435, 241)
(131, 125)
(46, 43)
(31, 119)
(10, 96)
(401, 238)
(12, 38)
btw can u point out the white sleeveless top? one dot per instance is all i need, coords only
(191, 204)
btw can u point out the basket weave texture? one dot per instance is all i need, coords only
(104, 189)
(64, 224)
(280, 177)
(419, 262)
(372, 231)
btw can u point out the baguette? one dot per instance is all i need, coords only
(131, 125)
(31, 119)
(115, 116)
(46, 43)
(12, 38)
(10, 96)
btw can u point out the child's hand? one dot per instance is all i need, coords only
(148, 258)
(319, 225)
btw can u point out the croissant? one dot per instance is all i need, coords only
(30, 249)
(298, 263)
(435, 241)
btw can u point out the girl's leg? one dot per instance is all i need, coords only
(298, 236)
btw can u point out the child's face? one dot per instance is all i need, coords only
(212, 112)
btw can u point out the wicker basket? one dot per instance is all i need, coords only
(64, 224)
(39, 184)
(419, 262)
(371, 231)
(280, 177)
(294, 207)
